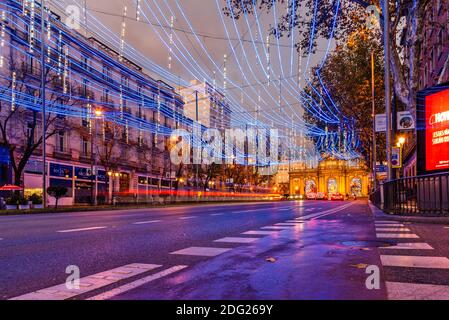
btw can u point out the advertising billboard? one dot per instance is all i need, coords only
(437, 131)
(433, 130)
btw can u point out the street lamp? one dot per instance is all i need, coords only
(98, 113)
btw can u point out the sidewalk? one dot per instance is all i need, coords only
(379, 214)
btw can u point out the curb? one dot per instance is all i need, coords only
(431, 220)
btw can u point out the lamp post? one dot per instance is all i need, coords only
(43, 107)
(386, 16)
(93, 164)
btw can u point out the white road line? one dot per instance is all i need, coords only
(254, 210)
(416, 291)
(397, 236)
(410, 246)
(81, 229)
(260, 233)
(135, 284)
(202, 251)
(378, 229)
(89, 283)
(147, 222)
(288, 209)
(291, 224)
(237, 240)
(294, 221)
(217, 214)
(279, 227)
(389, 225)
(415, 262)
(189, 217)
(385, 221)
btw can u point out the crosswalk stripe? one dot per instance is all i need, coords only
(201, 251)
(237, 240)
(261, 233)
(294, 221)
(279, 227)
(138, 283)
(89, 283)
(189, 217)
(386, 221)
(147, 222)
(415, 262)
(410, 246)
(217, 214)
(291, 224)
(378, 229)
(397, 236)
(416, 291)
(390, 226)
(81, 229)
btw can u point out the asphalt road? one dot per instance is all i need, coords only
(278, 250)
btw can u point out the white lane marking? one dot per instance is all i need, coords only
(217, 214)
(397, 236)
(291, 224)
(416, 291)
(378, 229)
(415, 262)
(147, 222)
(260, 233)
(245, 211)
(385, 221)
(279, 227)
(410, 246)
(89, 283)
(398, 225)
(294, 221)
(81, 229)
(189, 217)
(135, 284)
(237, 240)
(318, 215)
(202, 251)
(288, 209)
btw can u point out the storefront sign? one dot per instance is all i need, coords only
(83, 173)
(59, 170)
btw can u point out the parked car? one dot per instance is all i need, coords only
(337, 197)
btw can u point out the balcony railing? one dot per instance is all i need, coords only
(415, 195)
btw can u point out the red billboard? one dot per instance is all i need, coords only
(437, 131)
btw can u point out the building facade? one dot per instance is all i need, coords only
(108, 123)
(347, 177)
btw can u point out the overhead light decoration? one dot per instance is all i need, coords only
(32, 29)
(268, 60)
(170, 49)
(2, 37)
(122, 34)
(225, 73)
(65, 74)
(138, 9)
(13, 91)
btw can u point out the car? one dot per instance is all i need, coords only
(311, 196)
(321, 196)
(337, 197)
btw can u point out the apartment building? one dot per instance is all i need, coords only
(108, 122)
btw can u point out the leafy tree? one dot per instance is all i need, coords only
(407, 23)
(347, 74)
(57, 193)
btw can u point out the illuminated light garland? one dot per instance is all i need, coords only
(170, 50)
(13, 91)
(48, 22)
(31, 32)
(268, 60)
(122, 34)
(66, 69)
(60, 53)
(2, 38)
(225, 73)
(138, 8)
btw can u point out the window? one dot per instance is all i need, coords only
(61, 141)
(85, 147)
(84, 62)
(106, 73)
(31, 132)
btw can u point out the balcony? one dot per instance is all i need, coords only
(62, 155)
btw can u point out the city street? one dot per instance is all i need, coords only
(280, 250)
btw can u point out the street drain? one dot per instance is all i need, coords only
(368, 244)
